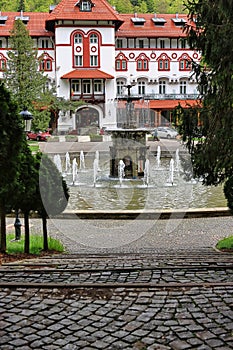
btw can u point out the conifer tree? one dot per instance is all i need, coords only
(212, 35)
(11, 138)
(22, 76)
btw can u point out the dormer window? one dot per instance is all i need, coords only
(3, 20)
(138, 21)
(85, 5)
(179, 22)
(158, 21)
(24, 19)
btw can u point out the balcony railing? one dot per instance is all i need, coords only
(160, 96)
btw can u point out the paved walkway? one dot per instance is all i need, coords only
(123, 285)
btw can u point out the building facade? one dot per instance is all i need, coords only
(93, 54)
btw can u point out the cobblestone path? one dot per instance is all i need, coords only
(175, 300)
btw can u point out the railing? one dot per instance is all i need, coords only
(161, 96)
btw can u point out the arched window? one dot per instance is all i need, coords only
(78, 39)
(93, 39)
(45, 63)
(142, 62)
(2, 63)
(120, 87)
(183, 87)
(121, 62)
(141, 87)
(162, 87)
(163, 62)
(185, 62)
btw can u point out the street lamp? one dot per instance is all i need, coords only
(27, 116)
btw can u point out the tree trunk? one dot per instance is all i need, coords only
(45, 233)
(27, 235)
(3, 229)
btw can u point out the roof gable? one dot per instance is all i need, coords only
(71, 10)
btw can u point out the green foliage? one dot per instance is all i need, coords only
(225, 243)
(36, 244)
(40, 120)
(228, 191)
(22, 76)
(212, 157)
(122, 6)
(11, 138)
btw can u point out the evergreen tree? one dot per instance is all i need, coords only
(212, 157)
(11, 138)
(22, 75)
(53, 193)
(21, 6)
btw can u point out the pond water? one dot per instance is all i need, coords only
(166, 186)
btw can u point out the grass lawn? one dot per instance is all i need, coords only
(225, 243)
(36, 244)
(34, 146)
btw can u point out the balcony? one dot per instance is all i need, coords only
(159, 96)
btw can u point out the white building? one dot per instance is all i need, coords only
(91, 53)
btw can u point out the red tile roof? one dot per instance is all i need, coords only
(171, 104)
(149, 29)
(35, 25)
(67, 9)
(87, 74)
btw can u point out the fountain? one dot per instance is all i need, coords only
(146, 172)
(158, 156)
(57, 162)
(74, 171)
(171, 172)
(95, 169)
(68, 163)
(128, 144)
(82, 160)
(121, 171)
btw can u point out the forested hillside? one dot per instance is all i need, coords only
(122, 6)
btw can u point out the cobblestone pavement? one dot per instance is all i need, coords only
(196, 313)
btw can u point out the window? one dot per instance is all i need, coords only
(141, 87)
(163, 62)
(142, 62)
(121, 62)
(98, 85)
(185, 62)
(140, 44)
(86, 86)
(183, 43)
(120, 87)
(184, 65)
(75, 86)
(162, 44)
(1, 44)
(85, 6)
(78, 39)
(45, 43)
(45, 63)
(93, 61)
(162, 87)
(78, 61)
(183, 87)
(93, 39)
(119, 43)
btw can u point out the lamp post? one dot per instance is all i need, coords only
(27, 116)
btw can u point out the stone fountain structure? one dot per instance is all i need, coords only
(128, 144)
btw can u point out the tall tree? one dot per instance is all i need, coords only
(212, 35)
(21, 6)
(23, 78)
(53, 193)
(11, 138)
